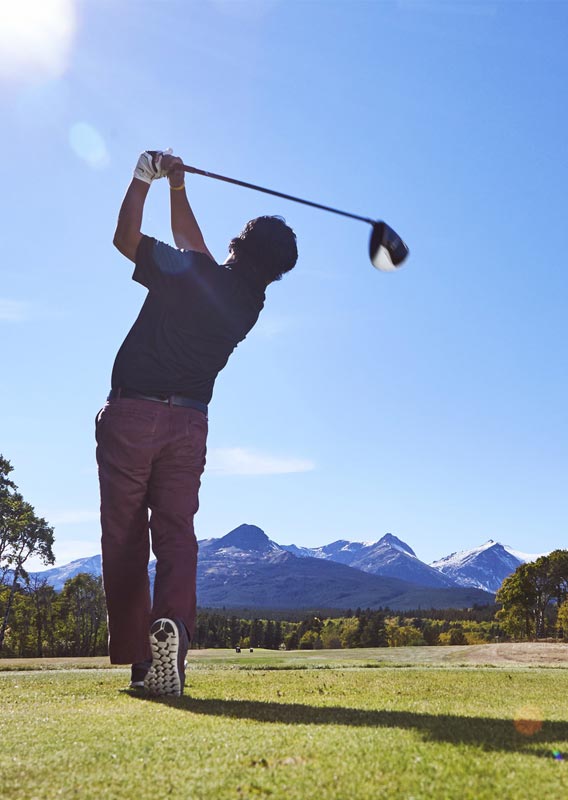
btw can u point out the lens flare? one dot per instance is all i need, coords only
(528, 720)
(88, 144)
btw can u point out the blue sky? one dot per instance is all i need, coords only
(430, 403)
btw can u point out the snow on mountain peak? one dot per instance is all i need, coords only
(524, 557)
(485, 567)
(464, 556)
(397, 544)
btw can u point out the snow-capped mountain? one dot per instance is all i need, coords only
(246, 569)
(390, 556)
(342, 551)
(56, 576)
(484, 567)
(237, 554)
(246, 564)
(241, 543)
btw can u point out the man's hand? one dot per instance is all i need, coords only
(150, 165)
(173, 168)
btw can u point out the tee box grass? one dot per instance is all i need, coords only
(295, 726)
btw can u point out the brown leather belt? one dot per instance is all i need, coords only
(170, 399)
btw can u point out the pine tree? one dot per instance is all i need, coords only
(22, 535)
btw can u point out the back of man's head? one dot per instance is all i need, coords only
(269, 245)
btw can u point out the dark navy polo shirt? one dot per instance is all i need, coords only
(195, 314)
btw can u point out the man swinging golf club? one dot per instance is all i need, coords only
(151, 434)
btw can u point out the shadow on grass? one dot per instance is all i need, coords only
(485, 732)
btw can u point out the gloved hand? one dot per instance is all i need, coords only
(173, 167)
(149, 166)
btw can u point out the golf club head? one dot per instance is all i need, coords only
(386, 249)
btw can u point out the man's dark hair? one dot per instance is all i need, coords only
(269, 245)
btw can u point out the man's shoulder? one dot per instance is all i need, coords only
(173, 260)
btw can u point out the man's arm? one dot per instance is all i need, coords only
(187, 233)
(127, 235)
(148, 168)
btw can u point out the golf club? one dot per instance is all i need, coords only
(387, 251)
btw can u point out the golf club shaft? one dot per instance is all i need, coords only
(196, 171)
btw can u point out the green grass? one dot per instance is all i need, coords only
(339, 731)
(540, 654)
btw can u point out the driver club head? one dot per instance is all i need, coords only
(386, 249)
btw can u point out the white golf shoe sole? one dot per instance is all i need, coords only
(164, 678)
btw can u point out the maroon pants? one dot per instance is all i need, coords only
(150, 457)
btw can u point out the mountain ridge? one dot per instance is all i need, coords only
(245, 566)
(389, 557)
(485, 566)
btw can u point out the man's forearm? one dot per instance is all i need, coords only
(187, 233)
(128, 228)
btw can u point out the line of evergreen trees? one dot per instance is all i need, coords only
(44, 623)
(365, 629)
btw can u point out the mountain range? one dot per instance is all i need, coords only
(246, 569)
(484, 567)
(389, 556)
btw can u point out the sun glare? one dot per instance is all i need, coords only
(88, 144)
(35, 37)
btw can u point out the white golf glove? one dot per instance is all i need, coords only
(149, 166)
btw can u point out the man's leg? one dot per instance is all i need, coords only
(173, 500)
(125, 441)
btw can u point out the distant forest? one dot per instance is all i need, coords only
(46, 623)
